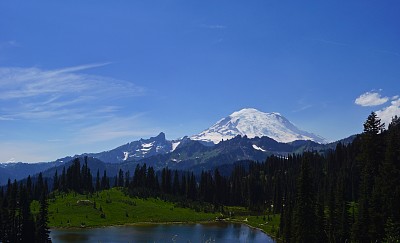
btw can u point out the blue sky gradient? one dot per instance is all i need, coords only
(87, 76)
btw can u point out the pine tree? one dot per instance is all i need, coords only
(27, 227)
(39, 186)
(151, 180)
(127, 179)
(175, 184)
(368, 225)
(12, 192)
(305, 218)
(55, 181)
(42, 229)
(105, 183)
(98, 187)
(63, 181)
(120, 178)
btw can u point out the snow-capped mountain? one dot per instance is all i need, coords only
(254, 123)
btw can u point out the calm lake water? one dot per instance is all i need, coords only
(215, 232)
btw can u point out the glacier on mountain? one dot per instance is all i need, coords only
(254, 123)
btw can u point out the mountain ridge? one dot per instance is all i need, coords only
(190, 153)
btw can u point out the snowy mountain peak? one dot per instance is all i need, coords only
(252, 123)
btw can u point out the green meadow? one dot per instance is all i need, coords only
(112, 207)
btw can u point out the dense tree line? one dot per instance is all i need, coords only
(349, 194)
(17, 223)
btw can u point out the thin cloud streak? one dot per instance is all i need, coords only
(305, 107)
(216, 26)
(81, 67)
(32, 93)
(30, 82)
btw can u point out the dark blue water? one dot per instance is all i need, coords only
(215, 232)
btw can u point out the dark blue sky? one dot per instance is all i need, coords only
(86, 76)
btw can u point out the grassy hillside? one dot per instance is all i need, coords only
(113, 207)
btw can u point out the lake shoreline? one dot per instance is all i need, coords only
(230, 221)
(252, 227)
(136, 224)
(223, 231)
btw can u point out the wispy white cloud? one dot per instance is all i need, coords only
(214, 26)
(302, 108)
(302, 104)
(55, 140)
(4, 118)
(33, 93)
(371, 99)
(386, 114)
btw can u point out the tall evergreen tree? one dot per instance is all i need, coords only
(105, 183)
(305, 218)
(175, 184)
(120, 178)
(98, 186)
(42, 229)
(63, 181)
(27, 226)
(368, 225)
(55, 181)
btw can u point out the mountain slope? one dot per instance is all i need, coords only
(135, 150)
(253, 123)
(195, 156)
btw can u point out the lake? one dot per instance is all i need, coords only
(212, 232)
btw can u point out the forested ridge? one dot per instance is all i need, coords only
(348, 194)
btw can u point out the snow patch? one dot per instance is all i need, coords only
(147, 145)
(258, 148)
(126, 156)
(176, 160)
(175, 145)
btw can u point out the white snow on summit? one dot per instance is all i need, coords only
(254, 123)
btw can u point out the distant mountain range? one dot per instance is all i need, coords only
(244, 135)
